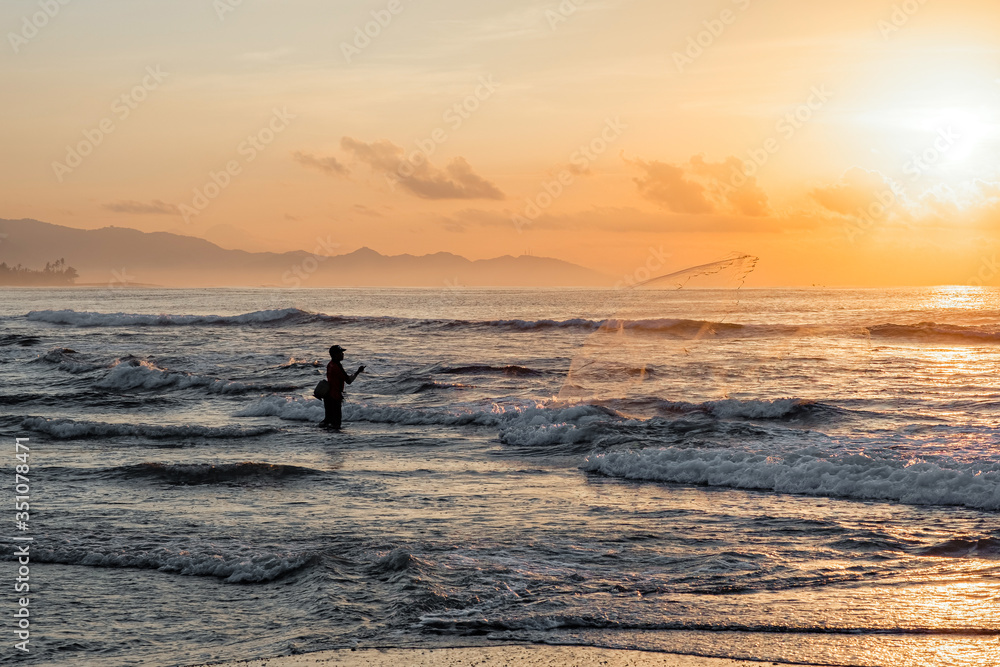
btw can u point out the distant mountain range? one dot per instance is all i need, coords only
(120, 256)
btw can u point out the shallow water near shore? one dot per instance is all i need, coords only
(807, 476)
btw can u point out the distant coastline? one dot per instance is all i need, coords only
(55, 274)
(122, 257)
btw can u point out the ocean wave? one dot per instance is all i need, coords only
(68, 429)
(131, 373)
(67, 360)
(983, 547)
(683, 328)
(236, 566)
(564, 438)
(557, 423)
(212, 473)
(677, 327)
(437, 386)
(7, 340)
(289, 408)
(808, 472)
(294, 362)
(680, 327)
(481, 369)
(475, 622)
(95, 319)
(397, 560)
(930, 331)
(295, 408)
(420, 386)
(23, 397)
(731, 408)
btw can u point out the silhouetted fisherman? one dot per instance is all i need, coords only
(336, 376)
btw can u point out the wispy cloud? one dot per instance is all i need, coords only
(856, 189)
(701, 187)
(361, 209)
(456, 180)
(329, 165)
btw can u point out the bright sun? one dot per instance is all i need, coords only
(957, 133)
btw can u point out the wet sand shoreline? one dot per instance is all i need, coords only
(491, 656)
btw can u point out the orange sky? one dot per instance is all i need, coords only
(603, 132)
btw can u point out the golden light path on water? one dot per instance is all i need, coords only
(958, 296)
(935, 606)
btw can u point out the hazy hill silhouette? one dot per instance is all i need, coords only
(117, 255)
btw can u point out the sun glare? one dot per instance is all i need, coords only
(957, 133)
(957, 297)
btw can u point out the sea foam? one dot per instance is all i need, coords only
(68, 429)
(296, 408)
(233, 566)
(131, 373)
(808, 472)
(94, 319)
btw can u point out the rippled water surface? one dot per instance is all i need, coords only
(801, 475)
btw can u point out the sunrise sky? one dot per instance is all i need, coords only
(588, 130)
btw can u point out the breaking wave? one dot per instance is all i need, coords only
(236, 566)
(75, 318)
(68, 429)
(131, 373)
(482, 369)
(809, 472)
(731, 408)
(94, 319)
(209, 473)
(929, 331)
(294, 408)
(66, 360)
(19, 340)
(983, 547)
(681, 328)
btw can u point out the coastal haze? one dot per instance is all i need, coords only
(117, 257)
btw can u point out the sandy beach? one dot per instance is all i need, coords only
(492, 656)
